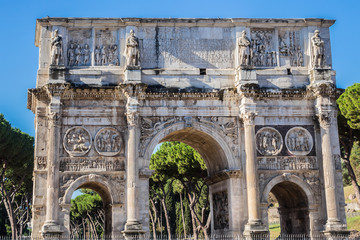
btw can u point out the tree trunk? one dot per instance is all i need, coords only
(153, 224)
(353, 178)
(166, 218)
(182, 215)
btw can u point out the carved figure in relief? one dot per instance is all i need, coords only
(77, 141)
(132, 50)
(86, 54)
(299, 57)
(78, 55)
(56, 48)
(71, 55)
(318, 50)
(103, 57)
(97, 55)
(221, 211)
(114, 55)
(108, 142)
(244, 49)
(299, 141)
(268, 141)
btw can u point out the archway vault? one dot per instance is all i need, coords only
(207, 141)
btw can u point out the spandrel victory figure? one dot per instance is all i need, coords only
(56, 48)
(318, 58)
(244, 49)
(132, 50)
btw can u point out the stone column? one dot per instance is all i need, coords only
(132, 91)
(254, 225)
(325, 117)
(51, 227)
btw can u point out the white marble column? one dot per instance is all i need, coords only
(325, 119)
(254, 223)
(51, 225)
(132, 92)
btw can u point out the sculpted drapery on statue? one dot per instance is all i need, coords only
(318, 56)
(244, 49)
(132, 50)
(56, 48)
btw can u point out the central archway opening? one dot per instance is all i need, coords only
(194, 210)
(90, 212)
(292, 208)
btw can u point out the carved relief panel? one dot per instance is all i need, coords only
(290, 48)
(77, 141)
(108, 141)
(262, 50)
(106, 50)
(78, 47)
(221, 210)
(268, 141)
(299, 141)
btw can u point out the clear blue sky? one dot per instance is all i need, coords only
(19, 56)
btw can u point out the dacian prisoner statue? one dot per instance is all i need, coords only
(254, 97)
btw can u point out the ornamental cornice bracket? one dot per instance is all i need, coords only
(321, 89)
(133, 90)
(56, 89)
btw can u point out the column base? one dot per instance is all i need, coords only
(133, 230)
(256, 230)
(51, 230)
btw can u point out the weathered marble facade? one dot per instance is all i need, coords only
(255, 97)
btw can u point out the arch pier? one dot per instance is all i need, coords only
(255, 98)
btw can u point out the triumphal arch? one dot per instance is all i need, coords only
(255, 97)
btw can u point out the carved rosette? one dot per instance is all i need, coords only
(299, 141)
(268, 141)
(108, 141)
(77, 141)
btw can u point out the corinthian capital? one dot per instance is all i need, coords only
(53, 118)
(248, 117)
(132, 117)
(133, 90)
(325, 118)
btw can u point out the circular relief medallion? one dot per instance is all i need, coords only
(77, 141)
(108, 141)
(299, 141)
(268, 141)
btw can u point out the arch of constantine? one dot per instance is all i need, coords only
(255, 97)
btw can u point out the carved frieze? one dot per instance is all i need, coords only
(262, 48)
(77, 141)
(287, 163)
(290, 48)
(268, 141)
(299, 141)
(108, 141)
(221, 210)
(91, 164)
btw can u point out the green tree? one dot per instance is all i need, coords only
(17, 159)
(349, 130)
(178, 162)
(87, 216)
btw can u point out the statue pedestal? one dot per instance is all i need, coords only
(57, 73)
(51, 231)
(133, 230)
(133, 74)
(246, 77)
